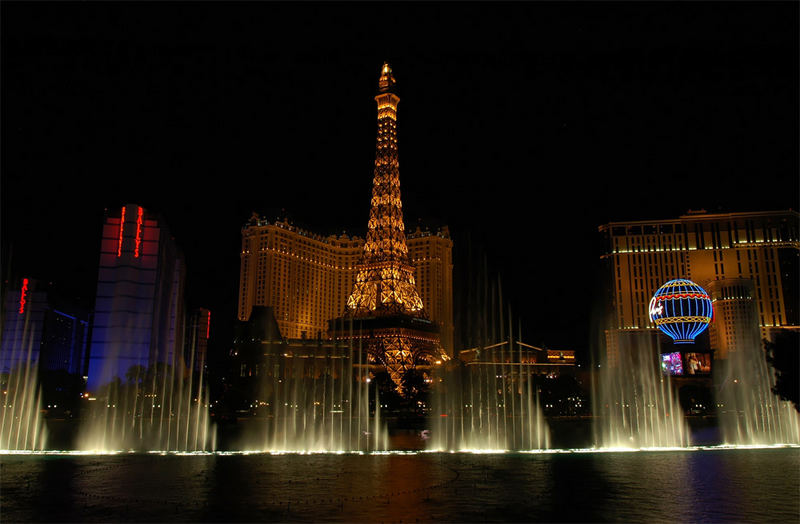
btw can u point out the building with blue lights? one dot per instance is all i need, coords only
(139, 306)
(39, 327)
(24, 309)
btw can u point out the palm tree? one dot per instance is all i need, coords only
(135, 374)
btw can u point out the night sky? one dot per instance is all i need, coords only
(521, 126)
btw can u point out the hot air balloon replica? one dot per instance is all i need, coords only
(681, 309)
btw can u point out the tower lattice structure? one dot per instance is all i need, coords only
(385, 277)
(384, 300)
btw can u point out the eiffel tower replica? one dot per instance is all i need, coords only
(384, 309)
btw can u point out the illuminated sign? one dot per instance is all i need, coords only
(655, 308)
(560, 355)
(23, 295)
(698, 363)
(208, 326)
(138, 233)
(121, 229)
(681, 309)
(671, 363)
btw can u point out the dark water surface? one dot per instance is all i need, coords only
(743, 485)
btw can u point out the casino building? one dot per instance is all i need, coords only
(306, 277)
(747, 261)
(139, 306)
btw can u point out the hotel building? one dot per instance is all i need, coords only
(306, 278)
(198, 332)
(718, 252)
(139, 312)
(736, 324)
(24, 312)
(40, 327)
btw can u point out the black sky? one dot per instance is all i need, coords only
(522, 126)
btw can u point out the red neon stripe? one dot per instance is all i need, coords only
(22, 296)
(208, 326)
(683, 295)
(138, 233)
(121, 228)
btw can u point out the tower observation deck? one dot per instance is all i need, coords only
(384, 309)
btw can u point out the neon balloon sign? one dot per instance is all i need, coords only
(681, 309)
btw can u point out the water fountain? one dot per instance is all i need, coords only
(314, 397)
(634, 403)
(162, 407)
(487, 397)
(489, 403)
(21, 424)
(749, 412)
(317, 396)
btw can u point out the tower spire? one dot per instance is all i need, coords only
(386, 82)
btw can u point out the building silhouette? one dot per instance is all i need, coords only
(198, 332)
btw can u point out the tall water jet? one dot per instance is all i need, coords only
(634, 404)
(21, 424)
(749, 413)
(489, 402)
(487, 398)
(312, 396)
(161, 407)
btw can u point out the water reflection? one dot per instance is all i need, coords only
(566, 500)
(681, 485)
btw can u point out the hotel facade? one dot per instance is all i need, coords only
(748, 261)
(306, 278)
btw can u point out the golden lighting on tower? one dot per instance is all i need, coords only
(384, 285)
(385, 280)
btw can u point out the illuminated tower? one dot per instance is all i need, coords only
(385, 278)
(384, 298)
